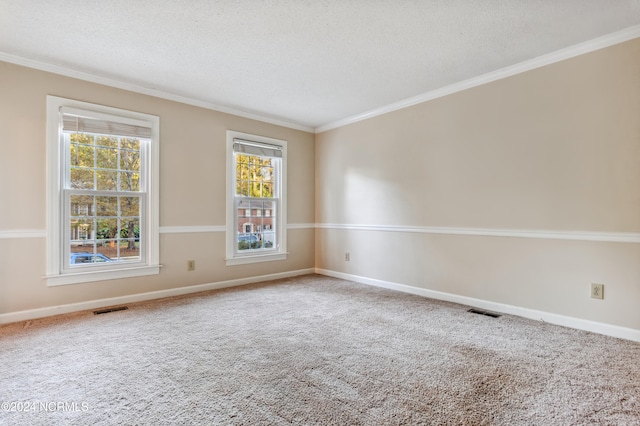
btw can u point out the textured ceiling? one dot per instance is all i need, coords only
(305, 62)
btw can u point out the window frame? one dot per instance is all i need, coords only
(233, 257)
(59, 269)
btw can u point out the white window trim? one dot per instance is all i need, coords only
(149, 265)
(233, 258)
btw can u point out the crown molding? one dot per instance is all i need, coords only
(105, 81)
(528, 65)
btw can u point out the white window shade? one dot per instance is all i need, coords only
(256, 148)
(78, 121)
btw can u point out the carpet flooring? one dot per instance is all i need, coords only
(311, 350)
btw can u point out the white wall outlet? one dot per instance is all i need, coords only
(191, 265)
(347, 256)
(597, 291)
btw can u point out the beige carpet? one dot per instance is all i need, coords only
(315, 351)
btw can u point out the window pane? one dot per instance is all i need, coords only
(82, 178)
(130, 238)
(106, 251)
(242, 159)
(269, 239)
(106, 158)
(82, 138)
(242, 188)
(107, 180)
(81, 155)
(130, 160)
(81, 230)
(107, 141)
(81, 205)
(107, 229)
(107, 206)
(267, 190)
(130, 206)
(130, 144)
(130, 181)
(267, 173)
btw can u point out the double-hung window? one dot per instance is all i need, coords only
(102, 199)
(256, 199)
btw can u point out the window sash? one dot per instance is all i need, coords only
(67, 191)
(117, 263)
(273, 218)
(97, 124)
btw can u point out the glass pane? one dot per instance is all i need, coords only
(130, 160)
(267, 173)
(244, 204)
(81, 155)
(130, 144)
(107, 229)
(268, 205)
(107, 206)
(242, 188)
(248, 241)
(106, 251)
(129, 228)
(255, 189)
(107, 180)
(106, 158)
(82, 230)
(130, 181)
(130, 234)
(242, 159)
(82, 178)
(81, 205)
(269, 239)
(254, 171)
(130, 206)
(130, 249)
(88, 255)
(107, 141)
(82, 138)
(267, 190)
(242, 173)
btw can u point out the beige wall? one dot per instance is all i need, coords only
(192, 191)
(554, 149)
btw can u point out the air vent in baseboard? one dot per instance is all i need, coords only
(107, 310)
(482, 312)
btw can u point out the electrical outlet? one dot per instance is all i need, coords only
(597, 291)
(347, 256)
(191, 265)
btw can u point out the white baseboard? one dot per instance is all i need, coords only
(571, 322)
(140, 297)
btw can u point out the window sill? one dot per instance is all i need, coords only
(256, 258)
(114, 274)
